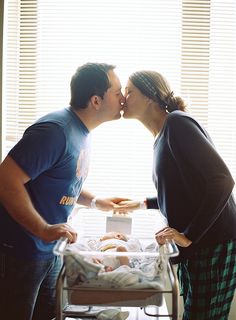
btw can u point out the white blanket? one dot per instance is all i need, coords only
(143, 272)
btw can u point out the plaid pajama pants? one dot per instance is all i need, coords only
(208, 282)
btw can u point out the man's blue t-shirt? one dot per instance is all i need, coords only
(54, 152)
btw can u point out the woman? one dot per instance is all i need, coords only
(194, 192)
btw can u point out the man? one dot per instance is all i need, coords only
(40, 181)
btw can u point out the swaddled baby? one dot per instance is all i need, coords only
(116, 242)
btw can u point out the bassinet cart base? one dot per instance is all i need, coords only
(82, 299)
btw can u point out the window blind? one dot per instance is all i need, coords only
(222, 81)
(192, 42)
(91, 223)
(20, 40)
(195, 56)
(208, 70)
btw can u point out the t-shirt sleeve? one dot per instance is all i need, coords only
(192, 148)
(39, 149)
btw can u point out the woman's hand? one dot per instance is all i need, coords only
(171, 234)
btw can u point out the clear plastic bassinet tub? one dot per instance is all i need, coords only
(135, 278)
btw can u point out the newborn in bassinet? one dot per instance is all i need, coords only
(116, 242)
(144, 270)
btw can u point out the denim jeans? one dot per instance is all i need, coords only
(27, 288)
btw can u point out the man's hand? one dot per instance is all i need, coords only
(53, 232)
(171, 234)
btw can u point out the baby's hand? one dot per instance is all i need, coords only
(108, 268)
(97, 261)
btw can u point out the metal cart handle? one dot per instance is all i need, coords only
(171, 249)
(60, 246)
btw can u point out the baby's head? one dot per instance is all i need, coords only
(114, 235)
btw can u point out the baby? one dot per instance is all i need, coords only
(115, 242)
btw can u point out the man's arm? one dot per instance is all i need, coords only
(105, 204)
(85, 198)
(15, 198)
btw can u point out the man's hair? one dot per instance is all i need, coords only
(89, 79)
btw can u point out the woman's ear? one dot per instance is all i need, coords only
(149, 100)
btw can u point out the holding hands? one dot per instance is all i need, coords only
(109, 204)
(126, 206)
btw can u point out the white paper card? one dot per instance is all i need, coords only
(119, 224)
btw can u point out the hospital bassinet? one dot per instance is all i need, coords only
(142, 284)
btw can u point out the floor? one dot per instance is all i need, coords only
(133, 314)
